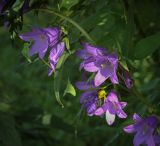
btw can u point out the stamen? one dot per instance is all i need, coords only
(101, 94)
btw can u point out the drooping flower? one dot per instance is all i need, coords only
(90, 51)
(144, 129)
(42, 39)
(100, 61)
(89, 98)
(89, 101)
(54, 56)
(126, 77)
(111, 108)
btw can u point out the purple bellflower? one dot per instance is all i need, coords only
(111, 108)
(89, 98)
(126, 77)
(100, 61)
(54, 56)
(97, 103)
(145, 131)
(42, 39)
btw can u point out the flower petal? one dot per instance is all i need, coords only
(94, 51)
(31, 35)
(136, 117)
(54, 56)
(110, 118)
(40, 46)
(53, 35)
(91, 109)
(87, 95)
(150, 141)
(138, 139)
(157, 139)
(84, 85)
(99, 111)
(129, 129)
(101, 76)
(123, 104)
(83, 54)
(112, 97)
(113, 58)
(114, 78)
(121, 114)
(90, 66)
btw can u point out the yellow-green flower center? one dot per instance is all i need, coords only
(102, 94)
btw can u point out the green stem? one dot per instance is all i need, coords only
(46, 63)
(69, 20)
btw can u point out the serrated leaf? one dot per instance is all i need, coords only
(25, 51)
(147, 46)
(70, 89)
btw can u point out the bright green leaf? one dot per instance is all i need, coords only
(25, 51)
(66, 40)
(70, 89)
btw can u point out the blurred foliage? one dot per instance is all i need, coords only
(29, 112)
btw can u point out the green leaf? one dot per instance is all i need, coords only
(25, 51)
(66, 40)
(68, 3)
(62, 59)
(70, 89)
(57, 80)
(147, 46)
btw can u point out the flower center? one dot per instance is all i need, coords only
(42, 37)
(101, 94)
(145, 130)
(103, 65)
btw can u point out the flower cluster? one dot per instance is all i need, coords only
(96, 101)
(44, 39)
(104, 67)
(99, 103)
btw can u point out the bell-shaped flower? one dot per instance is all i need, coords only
(111, 108)
(42, 39)
(126, 77)
(144, 130)
(55, 55)
(100, 61)
(89, 98)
